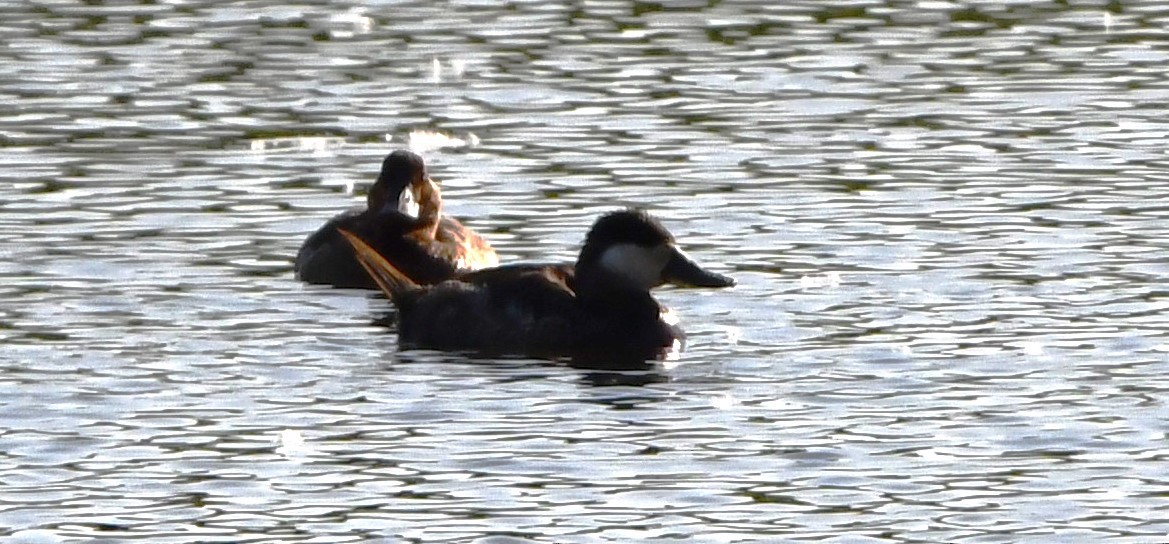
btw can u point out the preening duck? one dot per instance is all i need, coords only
(426, 246)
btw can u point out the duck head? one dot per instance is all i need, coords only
(401, 170)
(629, 249)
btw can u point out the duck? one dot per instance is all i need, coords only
(403, 221)
(596, 310)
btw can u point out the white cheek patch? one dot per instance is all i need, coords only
(407, 204)
(642, 266)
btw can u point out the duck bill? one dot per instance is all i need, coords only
(417, 200)
(683, 271)
(406, 203)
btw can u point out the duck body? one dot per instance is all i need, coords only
(534, 311)
(428, 247)
(326, 258)
(598, 310)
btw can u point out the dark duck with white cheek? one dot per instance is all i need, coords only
(600, 309)
(428, 247)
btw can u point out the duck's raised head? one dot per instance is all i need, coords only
(400, 170)
(633, 250)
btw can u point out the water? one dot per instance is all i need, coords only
(946, 221)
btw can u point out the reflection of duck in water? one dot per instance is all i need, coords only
(428, 248)
(599, 310)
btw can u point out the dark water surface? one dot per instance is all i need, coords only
(948, 221)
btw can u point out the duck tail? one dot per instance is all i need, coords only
(393, 283)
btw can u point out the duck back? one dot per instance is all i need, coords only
(326, 258)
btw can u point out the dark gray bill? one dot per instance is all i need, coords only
(681, 270)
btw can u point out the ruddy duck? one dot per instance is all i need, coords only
(600, 309)
(428, 248)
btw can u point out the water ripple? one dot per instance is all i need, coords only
(944, 220)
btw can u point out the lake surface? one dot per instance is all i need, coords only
(948, 222)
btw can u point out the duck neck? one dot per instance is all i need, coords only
(379, 196)
(602, 291)
(429, 199)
